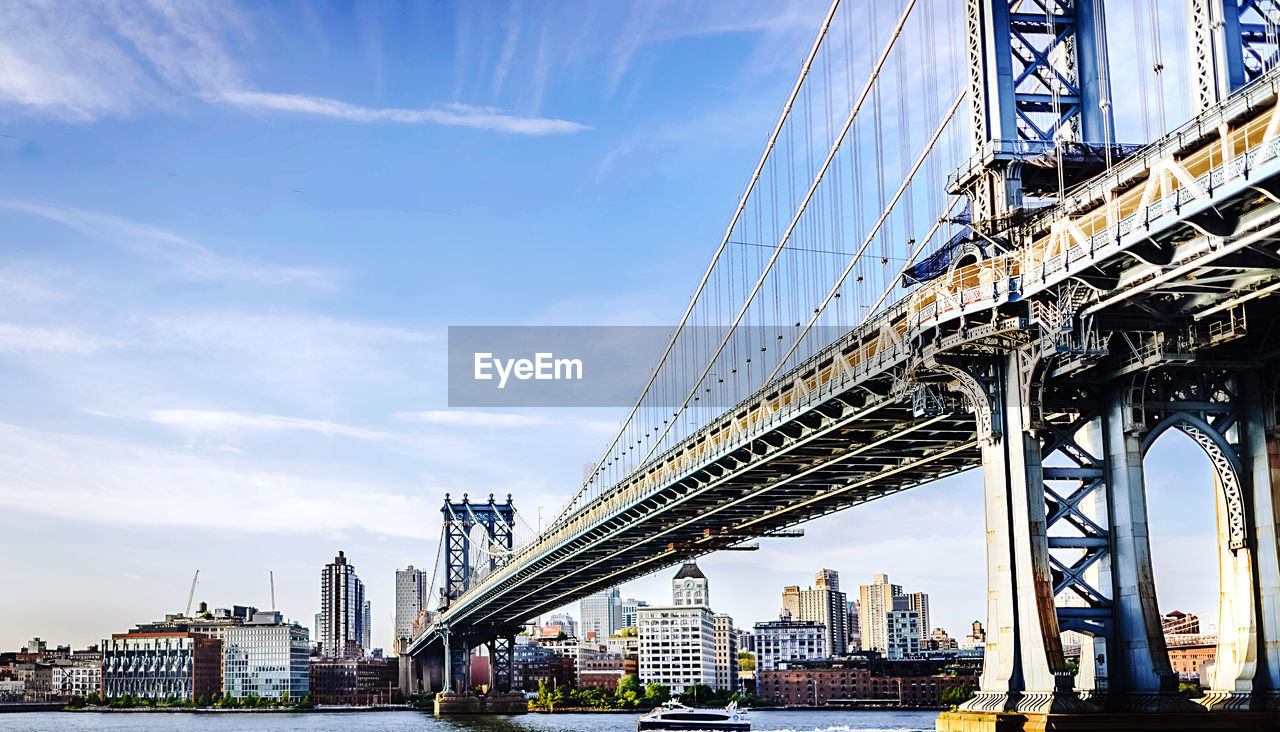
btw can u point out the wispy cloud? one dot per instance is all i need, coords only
(473, 419)
(193, 259)
(204, 420)
(28, 339)
(452, 115)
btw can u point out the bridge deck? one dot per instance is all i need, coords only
(1181, 219)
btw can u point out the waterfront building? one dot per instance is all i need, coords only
(784, 640)
(628, 617)
(411, 599)
(353, 681)
(831, 682)
(266, 657)
(605, 670)
(902, 631)
(532, 662)
(342, 610)
(825, 604)
(575, 649)
(69, 678)
(875, 601)
(677, 642)
(726, 653)
(919, 602)
(209, 623)
(1190, 655)
(600, 614)
(186, 666)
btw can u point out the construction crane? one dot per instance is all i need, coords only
(273, 588)
(192, 594)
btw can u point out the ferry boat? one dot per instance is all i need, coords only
(674, 715)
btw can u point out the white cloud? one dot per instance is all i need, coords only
(472, 419)
(81, 60)
(192, 259)
(454, 115)
(28, 339)
(203, 420)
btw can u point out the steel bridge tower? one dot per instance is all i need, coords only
(1065, 500)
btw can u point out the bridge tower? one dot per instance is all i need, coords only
(1064, 491)
(1232, 42)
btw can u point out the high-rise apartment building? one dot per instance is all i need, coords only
(919, 601)
(875, 601)
(366, 627)
(601, 614)
(902, 631)
(627, 612)
(826, 605)
(677, 642)
(854, 624)
(342, 610)
(411, 599)
(726, 650)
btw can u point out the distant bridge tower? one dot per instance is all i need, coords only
(497, 524)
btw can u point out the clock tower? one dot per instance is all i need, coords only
(689, 586)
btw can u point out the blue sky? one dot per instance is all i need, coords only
(234, 235)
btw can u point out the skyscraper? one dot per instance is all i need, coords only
(825, 604)
(342, 610)
(875, 603)
(411, 599)
(919, 601)
(600, 614)
(827, 579)
(366, 627)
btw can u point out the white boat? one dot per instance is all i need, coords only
(674, 715)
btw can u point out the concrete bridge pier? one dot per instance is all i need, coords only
(1068, 548)
(457, 696)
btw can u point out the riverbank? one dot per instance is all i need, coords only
(218, 710)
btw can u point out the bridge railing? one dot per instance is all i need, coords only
(1175, 177)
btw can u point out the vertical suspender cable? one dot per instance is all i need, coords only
(742, 203)
(866, 90)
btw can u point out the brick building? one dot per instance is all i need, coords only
(353, 681)
(818, 683)
(605, 670)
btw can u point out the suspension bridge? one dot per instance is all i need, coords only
(1026, 236)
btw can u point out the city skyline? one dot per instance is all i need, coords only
(174, 354)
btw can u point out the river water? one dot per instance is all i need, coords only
(870, 721)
